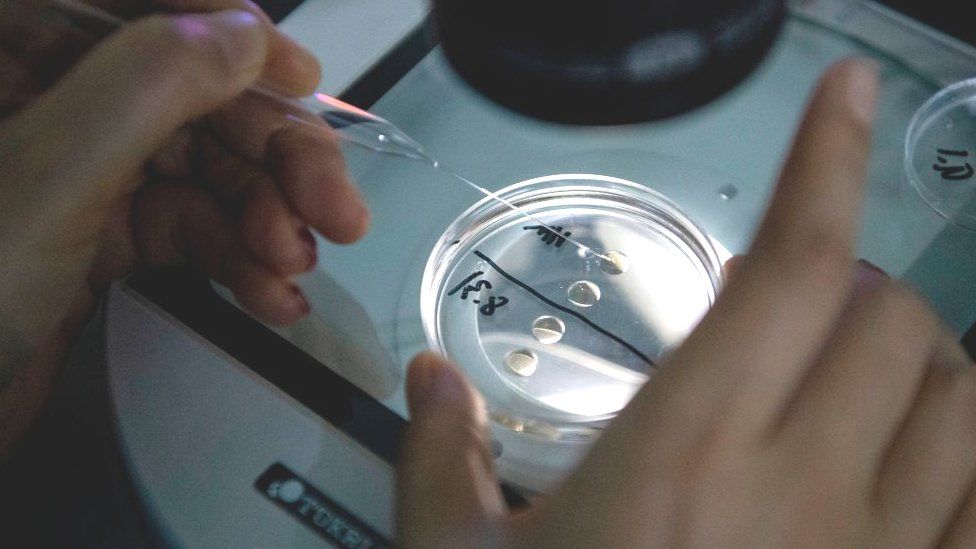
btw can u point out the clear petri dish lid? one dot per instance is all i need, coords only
(556, 338)
(940, 153)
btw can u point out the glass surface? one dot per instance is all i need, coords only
(499, 288)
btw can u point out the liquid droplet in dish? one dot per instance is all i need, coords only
(618, 264)
(548, 329)
(583, 293)
(522, 362)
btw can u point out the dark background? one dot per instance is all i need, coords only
(65, 485)
(278, 9)
(950, 16)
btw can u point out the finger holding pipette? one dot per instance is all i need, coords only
(78, 147)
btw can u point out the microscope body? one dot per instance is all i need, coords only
(609, 61)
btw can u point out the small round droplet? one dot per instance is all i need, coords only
(522, 362)
(728, 192)
(618, 263)
(382, 138)
(548, 329)
(583, 293)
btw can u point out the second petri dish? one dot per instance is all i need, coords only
(940, 153)
(556, 337)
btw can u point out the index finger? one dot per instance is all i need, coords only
(48, 45)
(290, 68)
(776, 313)
(744, 360)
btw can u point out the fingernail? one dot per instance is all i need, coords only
(732, 264)
(355, 216)
(421, 380)
(299, 299)
(868, 275)
(364, 216)
(303, 54)
(430, 382)
(356, 197)
(862, 88)
(363, 208)
(308, 242)
(308, 62)
(241, 37)
(307, 238)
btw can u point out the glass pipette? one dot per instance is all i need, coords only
(348, 122)
(377, 134)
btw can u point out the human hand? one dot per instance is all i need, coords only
(805, 410)
(99, 171)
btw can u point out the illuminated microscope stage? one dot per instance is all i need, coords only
(556, 338)
(718, 164)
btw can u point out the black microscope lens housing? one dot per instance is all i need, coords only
(605, 61)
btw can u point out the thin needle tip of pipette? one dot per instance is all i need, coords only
(494, 196)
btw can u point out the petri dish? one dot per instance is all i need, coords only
(940, 153)
(557, 338)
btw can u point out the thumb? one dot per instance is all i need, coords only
(447, 494)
